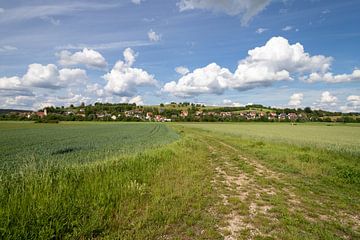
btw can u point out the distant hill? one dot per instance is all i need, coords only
(6, 111)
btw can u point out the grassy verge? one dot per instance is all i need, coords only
(206, 185)
(274, 190)
(158, 194)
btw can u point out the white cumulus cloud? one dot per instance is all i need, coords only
(87, 57)
(124, 79)
(48, 76)
(230, 103)
(352, 105)
(247, 9)
(10, 83)
(331, 78)
(296, 99)
(153, 36)
(277, 60)
(210, 79)
(138, 100)
(327, 97)
(182, 70)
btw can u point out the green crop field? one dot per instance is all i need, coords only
(23, 144)
(179, 181)
(341, 137)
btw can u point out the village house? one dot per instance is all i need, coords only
(282, 117)
(149, 116)
(225, 114)
(292, 116)
(272, 116)
(80, 115)
(129, 113)
(251, 116)
(184, 113)
(212, 114)
(199, 113)
(158, 118)
(40, 114)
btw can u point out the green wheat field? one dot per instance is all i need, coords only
(179, 181)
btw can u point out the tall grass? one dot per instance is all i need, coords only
(334, 137)
(161, 192)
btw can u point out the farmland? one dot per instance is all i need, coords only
(339, 137)
(22, 144)
(179, 181)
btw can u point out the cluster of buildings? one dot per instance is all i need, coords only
(252, 115)
(159, 115)
(246, 115)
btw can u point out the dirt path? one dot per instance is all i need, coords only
(237, 189)
(250, 193)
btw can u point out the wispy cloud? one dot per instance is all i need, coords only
(42, 11)
(7, 48)
(261, 30)
(287, 28)
(105, 46)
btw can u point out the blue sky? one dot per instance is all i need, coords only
(232, 52)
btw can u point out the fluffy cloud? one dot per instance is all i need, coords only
(352, 105)
(296, 99)
(87, 57)
(96, 89)
(10, 83)
(331, 78)
(182, 70)
(48, 76)
(60, 100)
(153, 36)
(326, 97)
(230, 103)
(137, 100)
(246, 8)
(42, 76)
(354, 99)
(276, 61)
(129, 56)
(12, 86)
(21, 102)
(123, 79)
(210, 79)
(74, 76)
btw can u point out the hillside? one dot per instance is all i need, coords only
(178, 112)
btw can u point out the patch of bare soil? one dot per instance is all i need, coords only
(233, 183)
(237, 189)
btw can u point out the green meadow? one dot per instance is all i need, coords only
(179, 181)
(331, 136)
